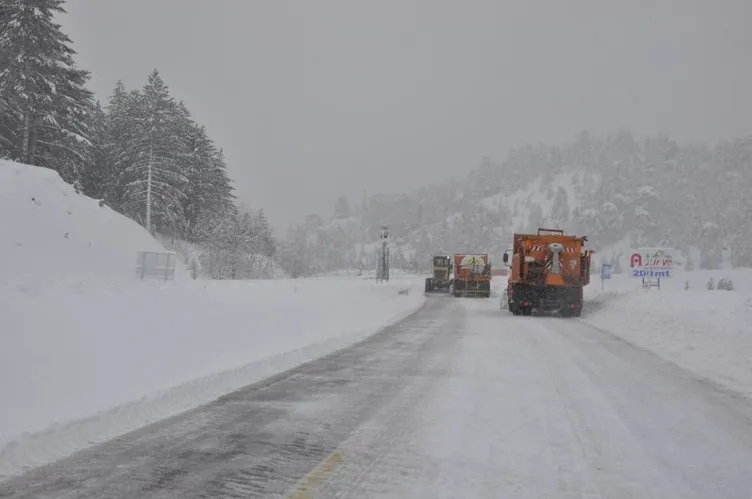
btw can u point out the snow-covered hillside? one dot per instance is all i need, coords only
(563, 192)
(51, 234)
(617, 190)
(89, 351)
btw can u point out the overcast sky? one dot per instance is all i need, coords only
(315, 98)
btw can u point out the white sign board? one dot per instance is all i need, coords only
(651, 263)
(155, 265)
(606, 271)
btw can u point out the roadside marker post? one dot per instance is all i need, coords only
(606, 272)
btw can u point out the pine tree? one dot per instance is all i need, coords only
(222, 197)
(208, 186)
(43, 99)
(560, 213)
(263, 237)
(121, 128)
(242, 240)
(154, 183)
(738, 210)
(213, 230)
(710, 246)
(97, 174)
(535, 219)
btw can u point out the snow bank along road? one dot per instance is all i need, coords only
(459, 399)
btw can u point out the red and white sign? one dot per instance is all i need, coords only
(651, 262)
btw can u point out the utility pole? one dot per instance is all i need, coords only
(382, 268)
(148, 190)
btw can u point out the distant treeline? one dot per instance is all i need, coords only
(618, 189)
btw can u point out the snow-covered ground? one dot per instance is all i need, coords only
(89, 352)
(49, 233)
(83, 364)
(505, 406)
(707, 332)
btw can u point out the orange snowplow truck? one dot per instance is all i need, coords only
(472, 275)
(548, 273)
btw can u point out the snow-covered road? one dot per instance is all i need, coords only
(458, 400)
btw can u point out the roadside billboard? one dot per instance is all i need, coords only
(647, 263)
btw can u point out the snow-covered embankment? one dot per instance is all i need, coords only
(706, 332)
(89, 352)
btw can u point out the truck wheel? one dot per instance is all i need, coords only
(429, 288)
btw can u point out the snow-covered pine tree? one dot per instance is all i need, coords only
(263, 243)
(535, 219)
(44, 101)
(154, 183)
(221, 183)
(96, 176)
(739, 206)
(208, 187)
(242, 234)
(212, 231)
(560, 214)
(120, 127)
(711, 246)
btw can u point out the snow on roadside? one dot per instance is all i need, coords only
(50, 233)
(89, 352)
(82, 365)
(706, 332)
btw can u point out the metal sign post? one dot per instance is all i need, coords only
(606, 272)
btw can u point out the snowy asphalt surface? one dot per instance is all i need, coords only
(459, 400)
